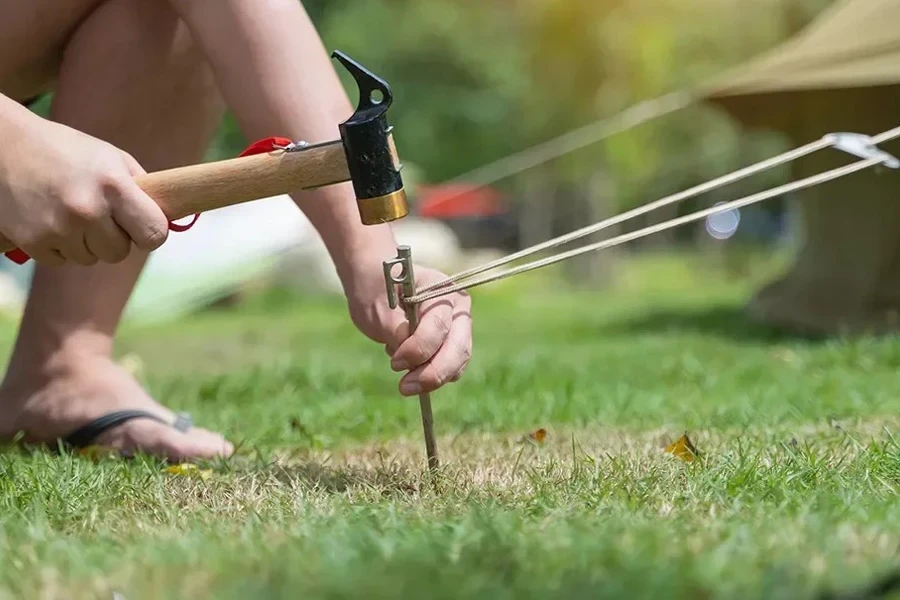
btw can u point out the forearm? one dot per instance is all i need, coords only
(278, 79)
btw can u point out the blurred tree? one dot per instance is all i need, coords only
(477, 80)
(455, 68)
(598, 58)
(568, 64)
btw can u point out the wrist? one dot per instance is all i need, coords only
(358, 259)
(14, 119)
(356, 250)
(15, 122)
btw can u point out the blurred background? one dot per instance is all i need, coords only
(477, 81)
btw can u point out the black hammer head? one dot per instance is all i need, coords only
(369, 145)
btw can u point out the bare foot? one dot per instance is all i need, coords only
(46, 408)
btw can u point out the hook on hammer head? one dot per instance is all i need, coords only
(369, 146)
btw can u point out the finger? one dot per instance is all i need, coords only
(140, 217)
(107, 241)
(448, 364)
(49, 257)
(398, 336)
(74, 248)
(427, 338)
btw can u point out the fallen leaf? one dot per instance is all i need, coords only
(188, 469)
(539, 435)
(683, 449)
(535, 437)
(96, 451)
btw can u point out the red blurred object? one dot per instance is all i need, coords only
(459, 200)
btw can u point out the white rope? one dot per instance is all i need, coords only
(627, 119)
(444, 287)
(724, 180)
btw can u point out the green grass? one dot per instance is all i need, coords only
(796, 492)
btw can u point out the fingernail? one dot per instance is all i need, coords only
(411, 387)
(399, 365)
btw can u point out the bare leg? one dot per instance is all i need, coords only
(130, 75)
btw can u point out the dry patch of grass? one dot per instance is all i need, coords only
(591, 512)
(511, 467)
(501, 453)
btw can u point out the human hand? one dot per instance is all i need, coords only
(439, 350)
(67, 196)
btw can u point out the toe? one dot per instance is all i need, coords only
(194, 444)
(211, 441)
(157, 439)
(194, 447)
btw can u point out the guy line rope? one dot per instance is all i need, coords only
(859, 145)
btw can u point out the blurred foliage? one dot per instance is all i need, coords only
(477, 80)
(597, 58)
(457, 75)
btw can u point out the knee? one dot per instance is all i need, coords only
(184, 71)
(158, 48)
(157, 85)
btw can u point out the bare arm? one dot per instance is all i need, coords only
(278, 79)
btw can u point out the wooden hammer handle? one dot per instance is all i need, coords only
(207, 186)
(185, 191)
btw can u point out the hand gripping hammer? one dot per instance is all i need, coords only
(364, 155)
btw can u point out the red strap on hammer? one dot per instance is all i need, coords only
(259, 147)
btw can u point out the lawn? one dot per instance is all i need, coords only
(794, 494)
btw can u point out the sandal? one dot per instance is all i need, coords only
(83, 437)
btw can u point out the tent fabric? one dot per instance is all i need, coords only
(852, 44)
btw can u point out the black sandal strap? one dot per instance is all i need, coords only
(85, 435)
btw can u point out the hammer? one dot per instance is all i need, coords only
(365, 155)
